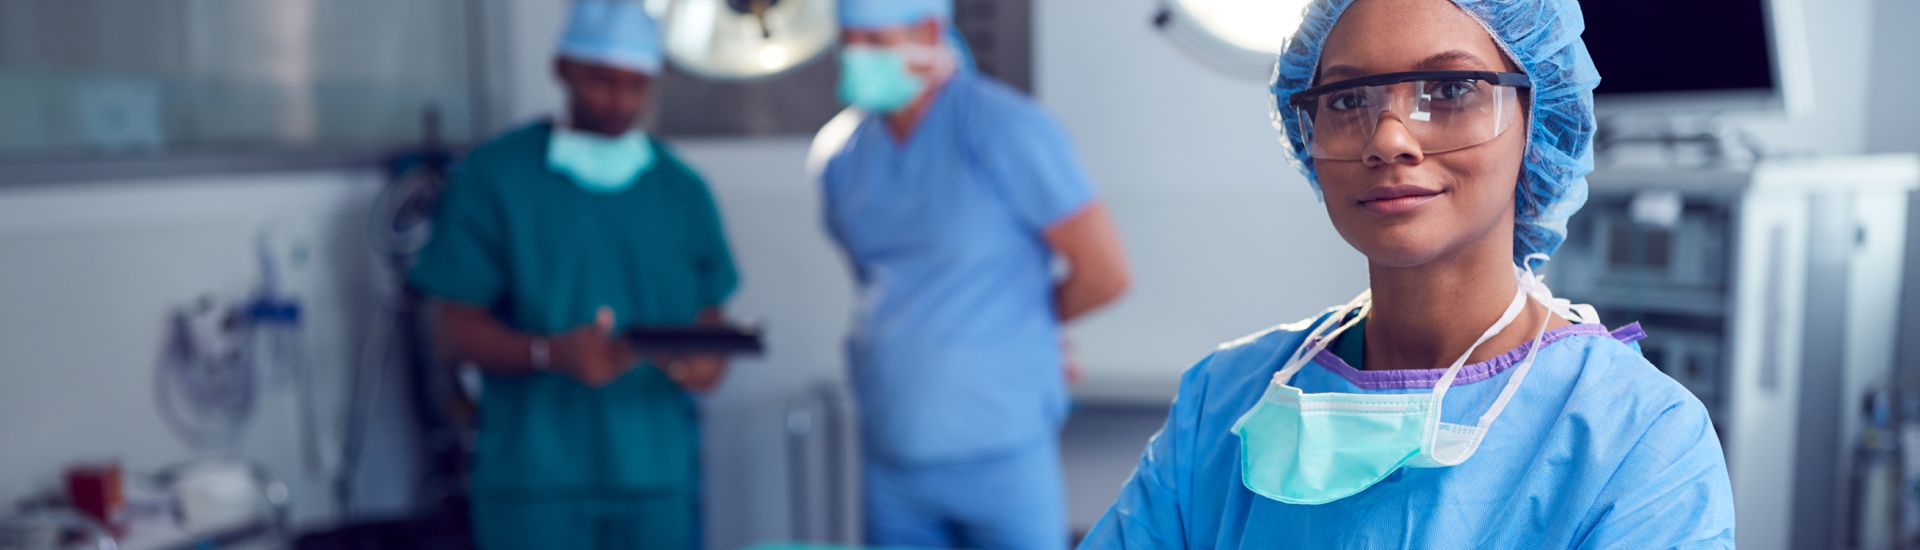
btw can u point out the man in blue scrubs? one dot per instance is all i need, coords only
(953, 197)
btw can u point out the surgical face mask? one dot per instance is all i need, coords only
(877, 79)
(598, 163)
(1443, 111)
(1302, 448)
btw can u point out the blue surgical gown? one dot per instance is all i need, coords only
(1596, 450)
(955, 350)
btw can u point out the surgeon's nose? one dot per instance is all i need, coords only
(1392, 143)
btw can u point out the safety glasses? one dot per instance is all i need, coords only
(1441, 110)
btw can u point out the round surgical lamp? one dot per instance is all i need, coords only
(1240, 37)
(744, 39)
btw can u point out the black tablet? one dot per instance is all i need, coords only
(696, 339)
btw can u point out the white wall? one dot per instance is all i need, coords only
(89, 273)
(521, 41)
(1894, 127)
(1893, 121)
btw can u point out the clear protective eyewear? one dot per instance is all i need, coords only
(1442, 110)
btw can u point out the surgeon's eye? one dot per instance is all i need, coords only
(1345, 101)
(1451, 90)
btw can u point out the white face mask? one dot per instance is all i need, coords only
(597, 163)
(1302, 448)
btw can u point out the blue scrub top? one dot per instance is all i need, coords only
(955, 350)
(1597, 449)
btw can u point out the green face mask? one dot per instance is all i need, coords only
(1302, 448)
(597, 163)
(876, 79)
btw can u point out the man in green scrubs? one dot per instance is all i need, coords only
(549, 240)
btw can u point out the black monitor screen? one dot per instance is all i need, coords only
(1656, 46)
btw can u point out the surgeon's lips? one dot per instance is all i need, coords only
(1396, 199)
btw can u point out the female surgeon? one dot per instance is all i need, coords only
(1457, 403)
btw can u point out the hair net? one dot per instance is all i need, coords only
(617, 33)
(867, 14)
(1543, 37)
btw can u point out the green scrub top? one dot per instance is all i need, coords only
(543, 254)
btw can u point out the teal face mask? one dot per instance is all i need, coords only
(876, 79)
(599, 164)
(1316, 448)
(1302, 448)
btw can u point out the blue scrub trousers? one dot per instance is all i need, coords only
(1013, 500)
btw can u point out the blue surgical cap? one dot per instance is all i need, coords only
(1543, 37)
(868, 14)
(872, 14)
(615, 33)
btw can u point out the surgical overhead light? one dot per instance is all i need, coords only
(734, 40)
(1241, 37)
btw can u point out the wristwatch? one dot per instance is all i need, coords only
(540, 354)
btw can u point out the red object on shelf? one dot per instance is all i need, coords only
(95, 489)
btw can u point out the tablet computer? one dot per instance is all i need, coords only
(696, 339)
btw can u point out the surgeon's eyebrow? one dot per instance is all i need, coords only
(1453, 59)
(1447, 60)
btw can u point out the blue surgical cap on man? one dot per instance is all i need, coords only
(615, 33)
(870, 14)
(1543, 38)
(880, 14)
